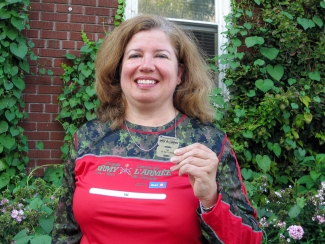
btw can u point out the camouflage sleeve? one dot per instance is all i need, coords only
(66, 230)
(233, 219)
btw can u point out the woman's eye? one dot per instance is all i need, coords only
(161, 56)
(134, 56)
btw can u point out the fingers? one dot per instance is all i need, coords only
(187, 159)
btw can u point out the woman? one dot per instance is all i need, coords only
(153, 168)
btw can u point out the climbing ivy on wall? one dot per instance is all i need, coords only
(13, 67)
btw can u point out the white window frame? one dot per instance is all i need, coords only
(222, 8)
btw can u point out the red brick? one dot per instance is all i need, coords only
(59, 61)
(68, 27)
(65, 9)
(54, 17)
(31, 33)
(42, 7)
(34, 15)
(94, 28)
(53, 44)
(39, 136)
(56, 154)
(51, 108)
(39, 172)
(55, 1)
(54, 99)
(31, 144)
(76, 36)
(36, 98)
(31, 163)
(40, 79)
(52, 53)
(53, 144)
(30, 89)
(49, 89)
(49, 126)
(56, 135)
(44, 25)
(38, 43)
(80, 45)
(39, 117)
(57, 81)
(39, 153)
(97, 11)
(61, 35)
(41, 162)
(83, 2)
(108, 3)
(57, 71)
(82, 19)
(68, 44)
(37, 107)
(28, 126)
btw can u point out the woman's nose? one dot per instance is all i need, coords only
(147, 64)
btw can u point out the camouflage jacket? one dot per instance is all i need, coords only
(233, 220)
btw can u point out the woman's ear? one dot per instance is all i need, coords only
(181, 69)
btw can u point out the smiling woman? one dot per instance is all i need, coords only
(170, 175)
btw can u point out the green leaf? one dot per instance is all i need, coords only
(236, 42)
(314, 175)
(90, 91)
(277, 149)
(270, 53)
(19, 50)
(24, 66)
(10, 115)
(11, 33)
(306, 179)
(264, 85)
(292, 81)
(294, 106)
(20, 234)
(276, 72)
(259, 62)
(248, 134)
(317, 99)
(294, 211)
(17, 22)
(253, 40)
(47, 223)
(314, 75)
(3, 126)
(70, 56)
(264, 162)
(318, 21)
(43, 239)
(246, 173)
(39, 145)
(322, 4)
(19, 83)
(258, 2)
(7, 102)
(7, 141)
(305, 23)
(301, 202)
(4, 179)
(251, 93)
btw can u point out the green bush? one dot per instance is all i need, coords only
(274, 112)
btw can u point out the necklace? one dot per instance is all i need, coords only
(143, 149)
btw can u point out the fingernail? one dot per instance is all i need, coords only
(178, 151)
(173, 159)
(172, 168)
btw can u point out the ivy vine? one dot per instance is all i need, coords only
(13, 67)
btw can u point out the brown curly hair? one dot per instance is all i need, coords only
(191, 97)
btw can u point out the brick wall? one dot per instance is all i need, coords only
(55, 28)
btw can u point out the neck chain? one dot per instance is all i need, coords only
(143, 149)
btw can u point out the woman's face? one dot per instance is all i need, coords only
(150, 71)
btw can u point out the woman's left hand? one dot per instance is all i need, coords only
(201, 164)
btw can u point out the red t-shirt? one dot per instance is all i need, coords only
(132, 200)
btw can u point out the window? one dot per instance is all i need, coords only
(204, 17)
